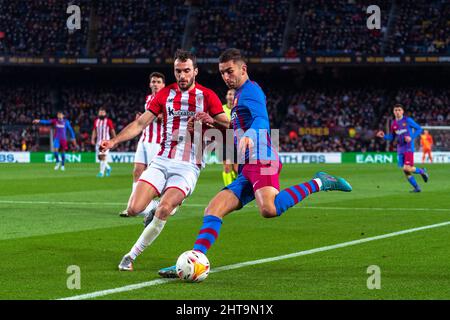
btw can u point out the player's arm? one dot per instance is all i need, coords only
(72, 133)
(215, 117)
(93, 136)
(417, 128)
(42, 121)
(386, 136)
(260, 119)
(130, 131)
(219, 121)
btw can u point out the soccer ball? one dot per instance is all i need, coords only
(192, 266)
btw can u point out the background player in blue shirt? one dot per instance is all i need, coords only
(60, 126)
(405, 130)
(258, 176)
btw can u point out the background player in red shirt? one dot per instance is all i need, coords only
(103, 130)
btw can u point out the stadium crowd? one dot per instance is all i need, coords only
(271, 28)
(311, 120)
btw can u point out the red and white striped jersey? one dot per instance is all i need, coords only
(177, 107)
(103, 128)
(151, 133)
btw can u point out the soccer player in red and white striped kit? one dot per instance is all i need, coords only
(103, 130)
(149, 143)
(174, 172)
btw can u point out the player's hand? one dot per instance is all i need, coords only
(246, 143)
(36, 121)
(204, 118)
(408, 139)
(137, 115)
(106, 145)
(380, 134)
(74, 142)
(93, 142)
(190, 124)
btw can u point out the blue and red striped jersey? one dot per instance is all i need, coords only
(249, 118)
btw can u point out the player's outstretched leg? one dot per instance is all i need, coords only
(322, 181)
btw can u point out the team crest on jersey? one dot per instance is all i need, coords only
(235, 102)
(199, 100)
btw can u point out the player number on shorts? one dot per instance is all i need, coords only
(74, 21)
(74, 280)
(374, 280)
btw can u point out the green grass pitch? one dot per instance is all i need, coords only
(51, 220)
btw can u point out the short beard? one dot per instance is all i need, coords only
(189, 84)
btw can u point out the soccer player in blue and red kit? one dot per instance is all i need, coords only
(61, 126)
(405, 130)
(258, 175)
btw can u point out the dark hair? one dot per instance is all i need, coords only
(231, 54)
(157, 75)
(101, 109)
(184, 55)
(398, 105)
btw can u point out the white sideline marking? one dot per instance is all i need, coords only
(204, 205)
(255, 262)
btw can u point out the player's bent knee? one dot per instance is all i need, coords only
(164, 210)
(268, 211)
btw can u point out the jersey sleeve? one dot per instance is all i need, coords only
(415, 126)
(72, 133)
(390, 136)
(156, 105)
(46, 122)
(260, 119)
(110, 124)
(214, 106)
(95, 123)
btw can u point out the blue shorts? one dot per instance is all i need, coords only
(60, 144)
(253, 177)
(405, 158)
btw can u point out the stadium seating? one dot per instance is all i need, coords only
(273, 28)
(312, 120)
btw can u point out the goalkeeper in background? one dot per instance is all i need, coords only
(405, 130)
(426, 142)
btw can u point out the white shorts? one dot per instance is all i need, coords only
(97, 151)
(145, 152)
(164, 173)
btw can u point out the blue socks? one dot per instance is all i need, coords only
(63, 158)
(413, 182)
(289, 197)
(208, 233)
(419, 171)
(56, 155)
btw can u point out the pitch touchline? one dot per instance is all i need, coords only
(254, 262)
(204, 205)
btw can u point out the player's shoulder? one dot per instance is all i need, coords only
(252, 90)
(164, 92)
(206, 91)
